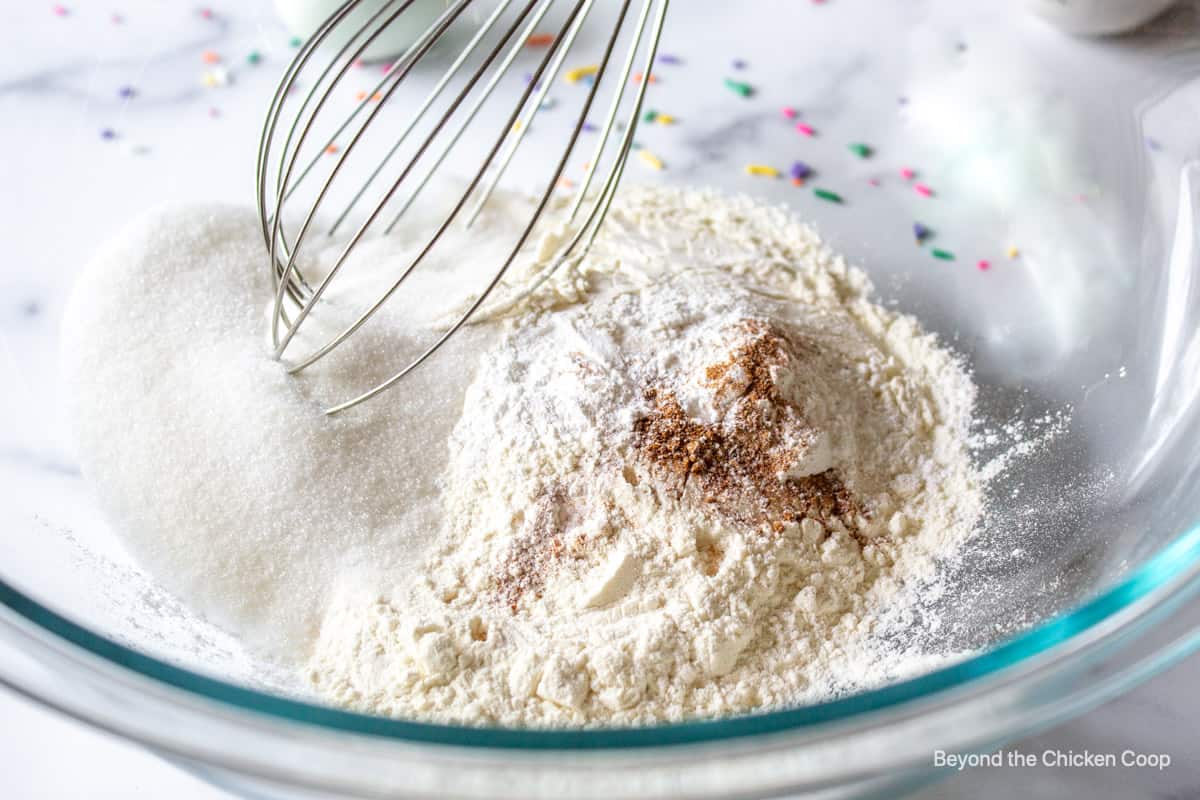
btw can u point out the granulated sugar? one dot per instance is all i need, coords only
(699, 473)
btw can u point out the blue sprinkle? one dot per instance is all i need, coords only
(108, 133)
(666, 58)
(921, 232)
(127, 92)
(739, 63)
(590, 127)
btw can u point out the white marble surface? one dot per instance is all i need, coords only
(66, 189)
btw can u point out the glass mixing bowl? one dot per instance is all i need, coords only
(1081, 154)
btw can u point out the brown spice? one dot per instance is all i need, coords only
(534, 550)
(736, 464)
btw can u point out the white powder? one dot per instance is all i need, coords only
(495, 541)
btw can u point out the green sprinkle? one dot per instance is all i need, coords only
(254, 57)
(825, 194)
(650, 116)
(744, 89)
(295, 41)
(944, 255)
(861, 150)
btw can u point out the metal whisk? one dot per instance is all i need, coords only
(315, 169)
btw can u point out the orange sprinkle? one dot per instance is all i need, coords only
(565, 183)
(360, 95)
(375, 98)
(210, 57)
(540, 40)
(331, 149)
(637, 77)
(797, 181)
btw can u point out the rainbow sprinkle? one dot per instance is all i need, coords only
(744, 89)
(127, 92)
(540, 40)
(654, 161)
(943, 255)
(800, 171)
(828, 196)
(789, 112)
(295, 41)
(665, 119)
(649, 116)
(254, 57)
(908, 173)
(665, 58)
(639, 77)
(762, 170)
(210, 57)
(579, 73)
(108, 133)
(61, 11)
(984, 265)
(861, 150)
(806, 129)
(923, 190)
(1012, 252)
(921, 232)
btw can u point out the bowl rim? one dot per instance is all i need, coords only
(1178, 559)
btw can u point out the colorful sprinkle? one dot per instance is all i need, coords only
(923, 190)
(806, 129)
(1012, 252)
(789, 112)
(984, 265)
(61, 11)
(800, 170)
(797, 181)
(739, 63)
(108, 133)
(360, 95)
(214, 112)
(127, 92)
(1153, 144)
(762, 170)
(665, 119)
(540, 40)
(861, 150)
(295, 41)
(650, 116)
(548, 104)
(650, 159)
(942, 255)
(744, 89)
(375, 98)
(666, 58)
(874, 181)
(590, 127)
(828, 196)
(331, 149)
(908, 173)
(921, 232)
(210, 57)
(206, 13)
(255, 57)
(577, 74)
(565, 183)
(638, 77)
(116, 19)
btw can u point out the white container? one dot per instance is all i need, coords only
(303, 17)
(1098, 17)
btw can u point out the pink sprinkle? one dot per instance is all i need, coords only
(358, 62)
(923, 190)
(807, 130)
(206, 13)
(61, 11)
(117, 19)
(873, 181)
(985, 265)
(908, 173)
(214, 112)
(789, 112)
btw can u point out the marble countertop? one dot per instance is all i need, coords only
(107, 111)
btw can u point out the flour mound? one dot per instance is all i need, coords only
(688, 480)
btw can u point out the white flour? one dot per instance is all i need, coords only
(701, 473)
